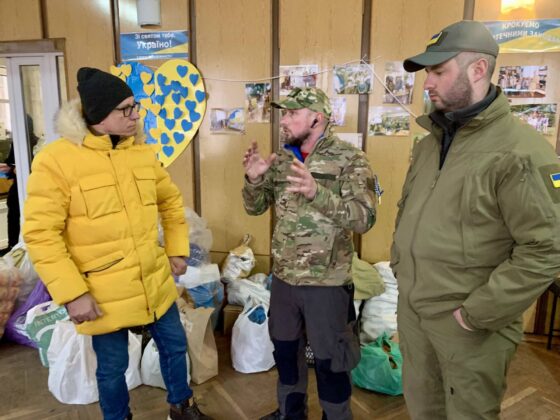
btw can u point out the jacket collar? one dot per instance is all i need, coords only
(70, 124)
(498, 108)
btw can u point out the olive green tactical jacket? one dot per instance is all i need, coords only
(312, 241)
(483, 232)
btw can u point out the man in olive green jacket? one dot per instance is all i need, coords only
(477, 235)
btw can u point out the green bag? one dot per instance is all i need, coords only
(380, 368)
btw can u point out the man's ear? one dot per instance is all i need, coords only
(478, 70)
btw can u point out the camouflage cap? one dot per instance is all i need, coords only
(312, 98)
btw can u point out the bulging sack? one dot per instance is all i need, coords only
(380, 368)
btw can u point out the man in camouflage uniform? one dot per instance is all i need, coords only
(323, 190)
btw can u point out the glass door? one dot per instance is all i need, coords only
(35, 92)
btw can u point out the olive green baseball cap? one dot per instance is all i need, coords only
(463, 36)
(312, 98)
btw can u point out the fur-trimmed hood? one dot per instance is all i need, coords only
(70, 123)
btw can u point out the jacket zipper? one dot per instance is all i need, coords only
(104, 267)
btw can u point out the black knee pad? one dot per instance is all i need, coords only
(286, 358)
(333, 387)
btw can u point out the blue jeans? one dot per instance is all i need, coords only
(112, 361)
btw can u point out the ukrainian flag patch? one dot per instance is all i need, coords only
(555, 179)
(434, 39)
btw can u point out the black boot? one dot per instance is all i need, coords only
(186, 411)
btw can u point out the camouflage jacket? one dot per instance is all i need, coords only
(312, 241)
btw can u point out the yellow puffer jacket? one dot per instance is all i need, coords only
(91, 219)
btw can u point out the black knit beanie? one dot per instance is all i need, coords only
(100, 93)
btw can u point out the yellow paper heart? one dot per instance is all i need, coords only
(149, 89)
(155, 108)
(146, 103)
(142, 113)
(155, 133)
(145, 77)
(126, 69)
(115, 71)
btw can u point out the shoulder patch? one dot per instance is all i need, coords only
(551, 178)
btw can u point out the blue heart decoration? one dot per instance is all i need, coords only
(195, 116)
(193, 78)
(177, 113)
(165, 89)
(160, 99)
(163, 113)
(176, 98)
(169, 124)
(161, 79)
(164, 138)
(200, 95)
(182, 70)
(184, 91)
(168, 150)
(179, 137)
(176, 86)
(187, 125)
(191, 105)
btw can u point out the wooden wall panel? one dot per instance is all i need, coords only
(87, 27)
(20, 20)
(400, 29)
(233, 42)
(489, 10)
(326, 34)
(174, 17)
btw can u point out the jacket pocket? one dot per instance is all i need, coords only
(146, 183)
(100, 195)
(102, 263)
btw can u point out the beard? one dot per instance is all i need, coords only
(292, 140)
(458, 97)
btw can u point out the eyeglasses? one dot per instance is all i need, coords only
(127, 110)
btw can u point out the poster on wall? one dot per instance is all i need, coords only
(399, 84)
(542, 117)
(257, 102)
(516, 36)
(388, 121)
(352, 78)
(523, 81)
(136, 46)
(338, 111)
(297, 77)
(227, 121)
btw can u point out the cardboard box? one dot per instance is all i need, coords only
(231, 312)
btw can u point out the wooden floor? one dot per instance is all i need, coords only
(533, 391)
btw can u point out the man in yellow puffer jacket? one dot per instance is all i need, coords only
(91, 218)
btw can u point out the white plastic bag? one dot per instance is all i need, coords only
(251, 348)
(379, 314)
(19, 257)
(150, 369)
(241, 291)
(73, 363)
(39, 325)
